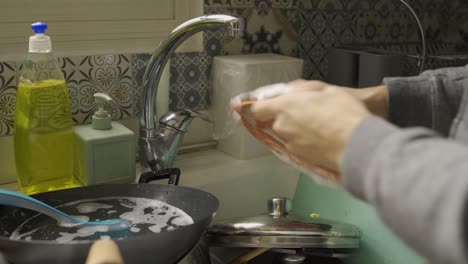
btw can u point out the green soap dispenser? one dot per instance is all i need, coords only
(105, 150)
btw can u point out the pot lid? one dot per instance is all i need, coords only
(280, 229)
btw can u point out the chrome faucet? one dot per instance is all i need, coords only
(159, 139)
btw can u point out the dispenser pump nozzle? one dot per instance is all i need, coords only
(101, 119)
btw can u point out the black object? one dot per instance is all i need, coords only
(173, 174)
(166, 247)
(362, 67)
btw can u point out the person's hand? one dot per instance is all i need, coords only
(104, 251)
(314, 124)
(374, 98)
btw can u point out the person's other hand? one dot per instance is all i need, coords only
(104, 251)
(374, 98)
(314, 124)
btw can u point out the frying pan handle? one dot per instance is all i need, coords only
(172, 174)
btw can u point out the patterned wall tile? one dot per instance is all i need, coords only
(285, 3)
(218, 8)
(271, 26)
(329, 23)
(70, 69)
(213, 42)
(110, 74)
(319, 31)
(189, 83)
(7, 97)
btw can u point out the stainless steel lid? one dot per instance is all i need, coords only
(279, 229)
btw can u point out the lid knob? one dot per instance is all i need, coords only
(279, 206)
(293, 259)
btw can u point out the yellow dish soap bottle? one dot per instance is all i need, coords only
(43, 130)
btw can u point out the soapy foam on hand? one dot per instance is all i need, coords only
(242, 103)
(143, 215)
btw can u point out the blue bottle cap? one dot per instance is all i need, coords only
(39, 27)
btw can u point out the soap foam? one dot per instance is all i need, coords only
(82, 232)
(83, 218)
(135, 229)
(161, 216)
(86, 208)
(144, 215)
(17, 236)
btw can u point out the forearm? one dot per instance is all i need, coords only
(419, 193)
(430, 99)
(375, 99)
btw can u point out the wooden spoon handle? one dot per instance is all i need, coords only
(244, 259)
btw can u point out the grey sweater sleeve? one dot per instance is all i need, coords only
(416, 180)
(430, 99)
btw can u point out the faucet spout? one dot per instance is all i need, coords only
(150, 136)
(148, 115)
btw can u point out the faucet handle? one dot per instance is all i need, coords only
(181, 120)
(196, 114)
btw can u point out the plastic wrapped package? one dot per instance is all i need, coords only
(263, 133)
(235, 74)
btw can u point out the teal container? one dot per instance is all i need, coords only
(105, 151)
(378, 244)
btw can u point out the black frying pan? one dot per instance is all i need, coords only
(166, 247)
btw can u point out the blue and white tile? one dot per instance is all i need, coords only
(319, 31)
(189, 82)
(213, 42)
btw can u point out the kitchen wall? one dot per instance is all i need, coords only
(309, 28)
(298, 28)
(385, 24)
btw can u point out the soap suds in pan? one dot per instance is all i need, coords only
(145, 216)
(85, 208)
